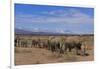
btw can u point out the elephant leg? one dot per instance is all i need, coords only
(77, 52)
(70, 49)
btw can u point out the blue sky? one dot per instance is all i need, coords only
(61, 19)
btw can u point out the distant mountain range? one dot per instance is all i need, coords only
(20, 31)
(25, 32)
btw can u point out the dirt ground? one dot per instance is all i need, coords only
(25, 56)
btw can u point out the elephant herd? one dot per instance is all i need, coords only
(59, 46)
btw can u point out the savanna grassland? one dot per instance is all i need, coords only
(41, 55)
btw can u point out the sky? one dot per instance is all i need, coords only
(63, 19)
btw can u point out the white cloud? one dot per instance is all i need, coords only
(59, 16)
(71, 16)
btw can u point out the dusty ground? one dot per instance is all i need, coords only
(25, 56)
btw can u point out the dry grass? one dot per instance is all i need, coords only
(24, 56)
(23, 50)
(42, 56)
